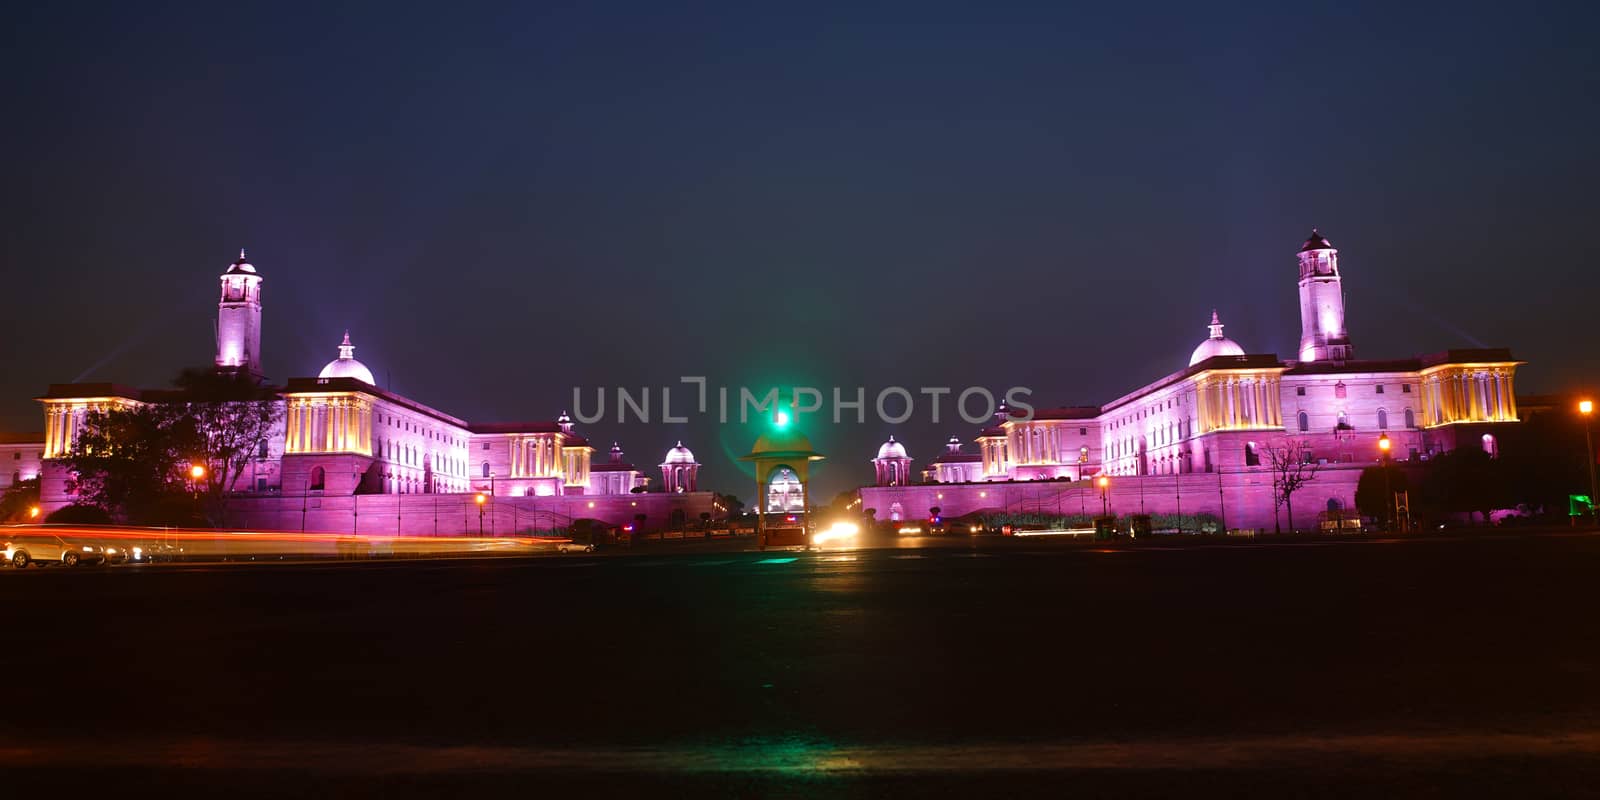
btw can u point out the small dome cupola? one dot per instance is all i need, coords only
(241, 266)
(346, 365)
(892, 449)
(1316, 242)
(1216, 344)
(679, 455)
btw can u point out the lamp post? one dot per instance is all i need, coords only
(1586, 408)
(197, 473)
(1105, 506)
(480, 499)
(1388, 495)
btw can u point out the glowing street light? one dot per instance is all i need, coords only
(480, 498)
(33, 512)
(197, 471)
(1586, 408)
(781, 419)
(1105, 506)
(1388, 493)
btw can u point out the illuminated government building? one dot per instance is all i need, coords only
(341, 436)
(1205, 430)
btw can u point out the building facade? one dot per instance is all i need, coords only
(342, 436)
(1229, 411)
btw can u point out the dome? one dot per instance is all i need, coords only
(783, 443)
(679, 455)
(1316, 242)
(1216, 345)
(892, 449)
(241, 266)
(346, 365)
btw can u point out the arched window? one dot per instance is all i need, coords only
(1383, 420)
(319, 478)
(1490, 446)
(1252, 458)
(1305, 422)
(485, 469)
(1411, 419)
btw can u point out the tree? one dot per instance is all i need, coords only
(1375, 496)
(1292, 468)
(19, 500)
(1465, 479)
(235, 416)
(732, 503)
(132, 463)
(135, 463)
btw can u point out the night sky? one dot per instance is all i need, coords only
(502, 205)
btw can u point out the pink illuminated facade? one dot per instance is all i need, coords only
(1219, 419)
(342, 438)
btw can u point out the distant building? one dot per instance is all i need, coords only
(1226, 409)
(341, 435)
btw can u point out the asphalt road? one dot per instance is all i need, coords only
(1439, 665)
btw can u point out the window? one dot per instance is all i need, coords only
(1251, 457)
(1083, 431)
(486, 445)
(1300, 391)
(319, 478)
(261, 451)
(1405, 388)
(1305, 422)
(485, 469)
(1378, 389)
(1383, 420)
(1411, 419)
(1339, 389)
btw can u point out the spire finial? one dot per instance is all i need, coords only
(1216, 325)
(347, 350)
(241, 254)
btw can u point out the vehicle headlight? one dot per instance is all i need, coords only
(137, 552)
(88, 548)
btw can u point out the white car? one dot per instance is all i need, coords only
(574, 547)
(44, 548)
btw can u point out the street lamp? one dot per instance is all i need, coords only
(480, 499)
(1586, 408)
(197, 471)
(33, 512)
(1104, 483)
(1388, 497)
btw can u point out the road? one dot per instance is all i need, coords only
(1452, 665)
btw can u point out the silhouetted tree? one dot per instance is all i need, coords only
(1371, 500)
(1292, 468)
(19, 499)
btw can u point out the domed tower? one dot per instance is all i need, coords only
(1216, 344)
(679, 470)
(1322, 333)
(239, 318)
(893, 465)
(346, 365)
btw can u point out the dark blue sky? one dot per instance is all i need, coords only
(503, 204)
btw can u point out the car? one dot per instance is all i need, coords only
(574, 547)
(116, 553)
(46, 548)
